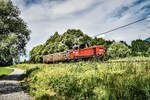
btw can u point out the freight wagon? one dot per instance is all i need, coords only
(82, 52)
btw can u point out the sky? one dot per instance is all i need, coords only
(45, 17)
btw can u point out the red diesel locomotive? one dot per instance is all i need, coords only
(78, 52)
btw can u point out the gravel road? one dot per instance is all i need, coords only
(10, 88)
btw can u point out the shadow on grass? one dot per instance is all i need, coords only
(27, 74)
(22, 78)
(1, 76)
(14, 77)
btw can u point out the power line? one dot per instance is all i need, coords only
(122, 26)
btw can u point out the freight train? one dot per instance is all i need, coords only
(78, 52)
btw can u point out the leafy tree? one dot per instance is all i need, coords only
(85, 39)
(53, 38)
(74, 36)
(14, 33)
(98, 41)
(109, 42)
(36, 54)
(125, 43)
(140, 47)
(118, 50)
(148, 51)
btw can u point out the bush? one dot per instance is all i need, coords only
(118, 50)
(148, 51)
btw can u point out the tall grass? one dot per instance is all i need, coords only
(87, 81)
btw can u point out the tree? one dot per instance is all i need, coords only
(148, 51)
(74, 36)
(14, 33)
(109, 42)
(118, 50)
(36, 54)
(140, 47)
(98, 41)
(125, 43)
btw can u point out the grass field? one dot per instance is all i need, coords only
(5, 71)
(131, 59)
(87, 81)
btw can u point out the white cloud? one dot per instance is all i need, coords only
(71, 6)
(91, 16)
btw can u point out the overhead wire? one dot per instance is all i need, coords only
(121, 26)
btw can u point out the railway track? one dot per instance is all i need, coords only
(135, 61)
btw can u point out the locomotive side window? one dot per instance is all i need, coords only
(82, 46)
(87, 45)
(75, 48)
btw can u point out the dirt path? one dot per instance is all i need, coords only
(10, 88)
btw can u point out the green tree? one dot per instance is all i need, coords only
(14, 33)
(36, 54)
(118, 50)
(74, 36)
(109, 42)
(53, 38)
(98, 41)
(140, 47)
(125, 43)
(148, 51)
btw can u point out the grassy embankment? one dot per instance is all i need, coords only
(131, 59)
(87, 81)
(5, 71)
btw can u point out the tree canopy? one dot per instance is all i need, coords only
(118, 50)
(98, 41)
(14, 33)
(140, 45)
(140, 48)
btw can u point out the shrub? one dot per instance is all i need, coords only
(118, 50)
(148, 51)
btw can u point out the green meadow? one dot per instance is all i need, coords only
(5, 71)
(87, 81)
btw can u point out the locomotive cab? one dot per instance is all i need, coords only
(77, 47)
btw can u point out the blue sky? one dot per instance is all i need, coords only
(45, 17)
